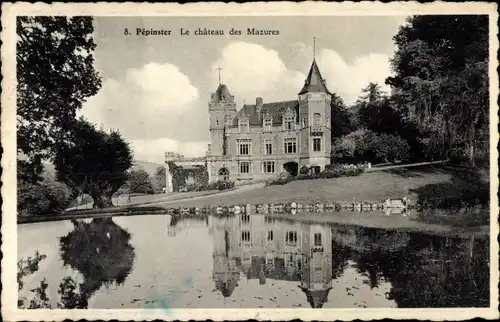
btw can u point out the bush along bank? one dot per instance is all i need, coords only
(329, 173)
(219, 185)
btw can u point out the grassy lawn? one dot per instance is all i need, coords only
(374, 186)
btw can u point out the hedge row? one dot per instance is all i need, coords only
(219, 185)
(328, 174)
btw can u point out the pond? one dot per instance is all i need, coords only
(249, 261)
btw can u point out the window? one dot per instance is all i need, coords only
(244, 167)
(291, 145)
(268, 124)
(217, 122)
(317, 239)
(304, 121)
(291, 238)
(244, 147)
(243, 125)
(268, 166)
(317, 262)
(245, 218)
(317, 120)
(269, 220)
(269, 146)
(289, 123)
(245, 236)
(270, 235)
(316, 144)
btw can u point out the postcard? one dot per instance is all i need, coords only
(268, 161)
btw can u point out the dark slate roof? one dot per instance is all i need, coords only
(222, 91)
(314, 81)
(275, 109)
(316, 298)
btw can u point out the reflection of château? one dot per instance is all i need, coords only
(260, 248)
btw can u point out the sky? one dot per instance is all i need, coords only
(155, 89)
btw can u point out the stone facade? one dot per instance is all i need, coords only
(262, 140)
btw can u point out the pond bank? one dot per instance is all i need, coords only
(371, 219)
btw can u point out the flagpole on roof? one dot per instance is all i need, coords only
(314, 47)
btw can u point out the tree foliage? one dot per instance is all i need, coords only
(93, 161)
(367, 146)
(372, 92)
(160, 177)
(55, 75)
(441, 80)
(47, 197)
(340, 121)
(139, 182)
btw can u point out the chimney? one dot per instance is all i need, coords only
(258, 104)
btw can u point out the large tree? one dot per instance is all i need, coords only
(55, 75)
(441, 79)
(340, 121)
(372, 92)
(93, 161)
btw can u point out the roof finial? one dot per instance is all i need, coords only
(314, 48)
(219, 69)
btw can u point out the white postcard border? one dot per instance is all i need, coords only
(10, 312)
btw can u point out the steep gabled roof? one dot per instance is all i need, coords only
(275, 109)
(314, 81)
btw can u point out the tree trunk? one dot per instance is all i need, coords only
(471, 147)
(102, 200)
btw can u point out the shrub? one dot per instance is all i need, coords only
(219, 185)
(327, 174)
(304, 170)
(44, 198)
(225, 185)
(279, 181)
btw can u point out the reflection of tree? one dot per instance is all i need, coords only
(441, 272)
(424, 270)
(100, 251)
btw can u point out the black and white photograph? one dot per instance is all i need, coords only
(265, 164)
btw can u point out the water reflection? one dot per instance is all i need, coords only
(260, 247)
(325, 263)
(424, 271)
(100, 251)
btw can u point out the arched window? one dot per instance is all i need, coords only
(317, 120)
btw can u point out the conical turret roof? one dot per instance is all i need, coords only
(316, 298)
(222, 93)
(314, 82)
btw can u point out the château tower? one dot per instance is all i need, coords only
(222, 109)
(314, 118)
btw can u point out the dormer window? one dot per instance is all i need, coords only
(243, 125)
(289, 123)
(268, 122)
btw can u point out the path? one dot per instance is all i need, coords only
(239, 189)
(147, 200)
(411, 165)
